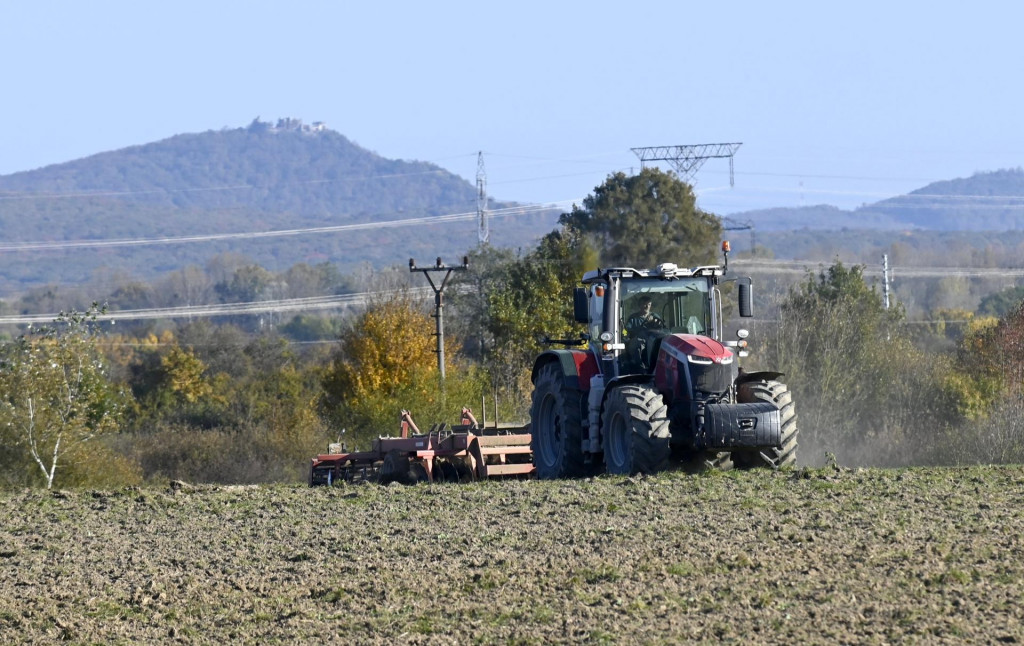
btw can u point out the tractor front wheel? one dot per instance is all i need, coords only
(556, 425)
(776, 393)
(635, 428)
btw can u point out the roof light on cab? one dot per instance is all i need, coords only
(667, 270)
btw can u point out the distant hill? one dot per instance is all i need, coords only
(817, 217)
(992, 201)
(311, 175)
(290, 176)
(983, 202)
(263, 177)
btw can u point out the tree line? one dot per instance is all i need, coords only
(198, 401)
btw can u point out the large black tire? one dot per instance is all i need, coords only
(776, 393)
(556, 424)
(635, 429)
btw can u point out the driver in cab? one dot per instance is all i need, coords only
(644, 319)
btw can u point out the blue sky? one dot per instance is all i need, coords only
(838, 103)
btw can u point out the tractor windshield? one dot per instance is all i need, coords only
(681, 305)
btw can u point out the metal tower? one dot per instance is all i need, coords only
(688, 159)
(483, 232)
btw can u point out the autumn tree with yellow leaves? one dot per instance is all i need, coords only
(386, 361)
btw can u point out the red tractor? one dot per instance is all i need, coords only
(657, 383)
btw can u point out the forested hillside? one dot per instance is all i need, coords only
(985, 201)
(299, 177)
(260, 178)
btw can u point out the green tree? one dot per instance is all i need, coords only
(249, 283)
(302, 280)
(646, 219)
(468, 312)
(171, 383)
(132, 295)
(1003, 302)
(311, 327)
(864, 392)
(56, 396)
(533, 301)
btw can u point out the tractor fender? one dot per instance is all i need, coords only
(615, 382)
(595, 408)
(629, 379)
(578, 366)
(745, 377)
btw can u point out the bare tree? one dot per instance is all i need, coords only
(54, 393)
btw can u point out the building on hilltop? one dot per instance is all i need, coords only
(287, 124)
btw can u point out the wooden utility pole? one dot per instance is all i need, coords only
(439, 299)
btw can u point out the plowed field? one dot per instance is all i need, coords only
(807, 556)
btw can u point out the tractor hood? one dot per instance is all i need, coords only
(687, 347)
(692, 367)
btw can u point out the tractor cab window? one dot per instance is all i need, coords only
(675, 306)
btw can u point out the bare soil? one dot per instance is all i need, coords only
(806, 556)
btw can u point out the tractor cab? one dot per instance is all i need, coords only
(629, 312)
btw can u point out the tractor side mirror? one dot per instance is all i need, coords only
(744, 289)
(580, 306)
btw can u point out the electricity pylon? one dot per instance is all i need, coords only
(483, 231)
(688, 159)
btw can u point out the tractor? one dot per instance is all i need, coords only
(656, 384)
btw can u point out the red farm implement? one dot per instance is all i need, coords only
(460, 453)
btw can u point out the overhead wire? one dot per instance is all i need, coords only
(312, 303)
(200, 189)
(803, 266)
(249, 235)
(319, 303)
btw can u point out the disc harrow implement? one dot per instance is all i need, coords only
(446, 453)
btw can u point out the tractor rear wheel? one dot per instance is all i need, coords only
(635, 428)
(556, 425)
(776, 393)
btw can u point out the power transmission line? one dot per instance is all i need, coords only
(803, 266)
(201, 189)
(312, 303)
(386, 224)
